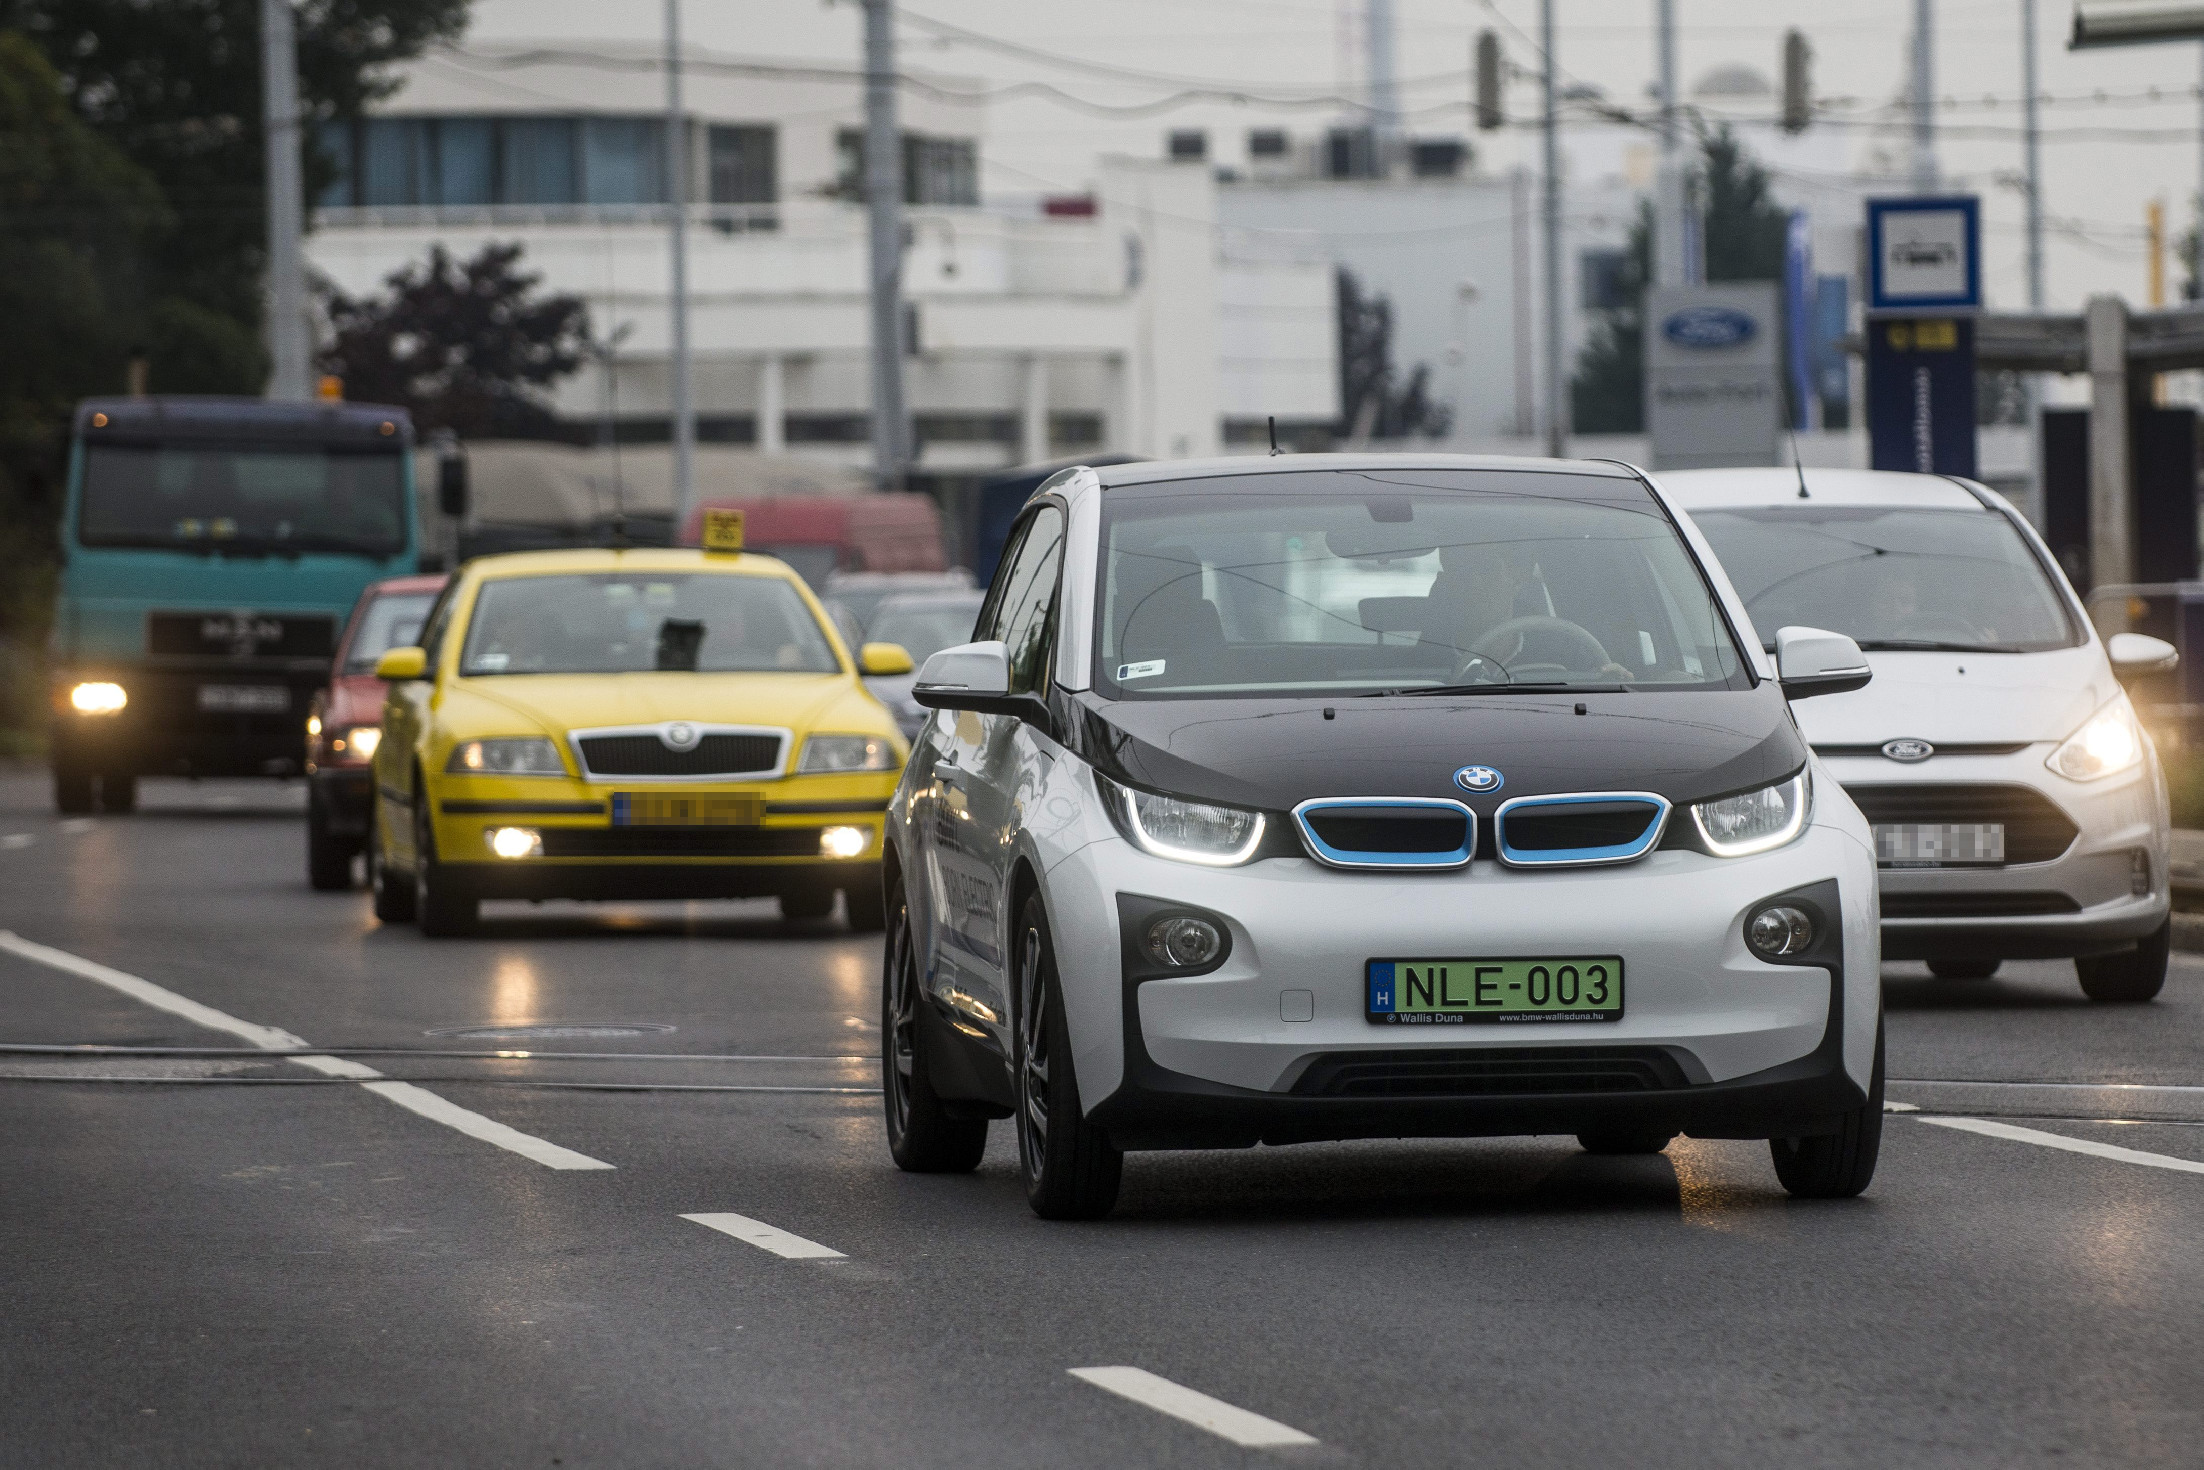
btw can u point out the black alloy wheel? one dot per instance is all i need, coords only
(72, 788)
(867, 908)
(1963, 969)
(922, 1137)
(1071, 1168)
(439, 907)
(328, 856)
(2132, 977)
(1624, 1140)
(1836, 1165)
(807, 903)
(393, 891)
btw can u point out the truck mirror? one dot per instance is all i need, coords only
(451, 485)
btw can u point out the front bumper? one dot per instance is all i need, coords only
(163, 732)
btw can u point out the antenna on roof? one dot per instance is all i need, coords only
(1799, 465)
(1274, 449)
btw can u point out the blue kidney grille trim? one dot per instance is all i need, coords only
(1479, 779)
(1709, 326)
(1655, 822)
(1380, 809)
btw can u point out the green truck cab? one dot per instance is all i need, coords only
(213, 548)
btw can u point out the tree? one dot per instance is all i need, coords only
(1743, 233)
(1370, 405)
(466, 347)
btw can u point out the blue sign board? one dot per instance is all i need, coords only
(1924, 255)
(1920, 395)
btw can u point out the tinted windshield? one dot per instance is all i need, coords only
(925, 625)
(1963, 580)
(391, 621)
(1367, 581)
(243, 500)
(612, 623)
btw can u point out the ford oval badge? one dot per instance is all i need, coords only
(1909, 750)
(1479, 779)
(1709, 326)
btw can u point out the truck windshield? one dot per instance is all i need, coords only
(615, 623)
(1961, 581)
(243, 500)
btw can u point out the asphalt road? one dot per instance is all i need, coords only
(247, 1260)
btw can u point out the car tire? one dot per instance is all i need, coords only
(2130, 978)
(807, 903)
(922, 1137)
(866, 907)
(393, 891)
(72, 789)
(442, 911)
(118, 793)
(1624, 1140)
(1836, 1165)
(1963, 969)
(1071, 1168)
(328, 856)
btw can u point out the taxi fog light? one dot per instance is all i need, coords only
(515, 842)
(98, 699)
(1780, 931)
(2107, 744)
(361, 741)
(1182, 941)
(1757, 821)
(830, 753)
(520, 756)
(843, 842)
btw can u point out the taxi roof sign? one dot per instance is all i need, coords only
(722, 530)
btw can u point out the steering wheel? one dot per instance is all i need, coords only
(1565, 646)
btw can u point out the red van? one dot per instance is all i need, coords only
(818, 534)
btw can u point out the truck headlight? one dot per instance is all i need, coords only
(530, 755)
(1184, 831)
(1755, 821)
(830, 753)
(2108, 743)
(98, 698)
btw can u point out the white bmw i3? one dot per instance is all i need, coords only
(1334, 797)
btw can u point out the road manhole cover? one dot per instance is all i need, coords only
(554, 1031)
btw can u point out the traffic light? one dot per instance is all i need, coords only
(1798, 83)
(1488, 81)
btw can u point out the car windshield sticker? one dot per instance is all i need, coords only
(492, 662)
(1146, 669)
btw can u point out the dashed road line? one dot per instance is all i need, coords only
(414, 1099)
(1226, 1421)
(2112, 1151)
(768, 1237)
(15, 841)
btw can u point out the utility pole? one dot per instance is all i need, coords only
(2031, 128)
(1669, 230)
(1557, 408)
(677, 200)
(286, 328)
(1924, 96)
(1384, 99)
(2196, 242)
(884, 199)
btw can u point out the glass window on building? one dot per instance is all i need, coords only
(743, 167)
(334, 141)
(395, 164)
(542, 162)
(466, 160)
(623, 160)
(935, 170)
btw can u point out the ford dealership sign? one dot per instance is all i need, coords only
(1709, 326)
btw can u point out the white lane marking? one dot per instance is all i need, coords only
(768, 1237)
(74, 825)
(269, 1038)
(1899, 1107)
(15, 840)
(1198, 1409)
(2112, 1151)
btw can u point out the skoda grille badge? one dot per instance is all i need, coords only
(1909, 750)
(1479, 779)
(680, 735)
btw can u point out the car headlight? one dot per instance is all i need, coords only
(1185, 831)
(2108, 743)
(1739, 826)
(826, 753)
(99, 698)
(529, 755)
(359, 742)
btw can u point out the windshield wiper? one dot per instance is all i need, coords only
(1545, 688)
(1933, 645)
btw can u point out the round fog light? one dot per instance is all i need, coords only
(1182, 940)
(515, 842)
(1779, 931)
(842, 842)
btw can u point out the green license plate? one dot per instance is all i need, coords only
(1493, 992)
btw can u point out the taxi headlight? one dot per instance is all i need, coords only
(518, 756)
(98, 698)
(2107, 743)
(842, 842)
(1185, 831)
(359, 742)
(1756, 821)
(829, 753)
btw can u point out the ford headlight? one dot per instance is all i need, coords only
(1185, 831)
(1756, 821)
(2108, 743)
(519, 756)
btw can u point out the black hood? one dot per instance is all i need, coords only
(1275, 753)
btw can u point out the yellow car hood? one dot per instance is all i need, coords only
(557, 703)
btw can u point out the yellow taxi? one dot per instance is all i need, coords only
(630, 724)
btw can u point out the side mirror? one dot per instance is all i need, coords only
(400, 665)
(451, 485)
(884, 658)
(975, 676)
(1810, 661)
(2135, 654)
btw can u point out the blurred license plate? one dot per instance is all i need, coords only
(649, 809)
(1936, 843)
(244, 699)
(1493, 992)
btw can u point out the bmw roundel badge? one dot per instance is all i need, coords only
(680, 735)
(1479, 779)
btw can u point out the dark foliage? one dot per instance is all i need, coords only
(464, 345)
(1371, 404)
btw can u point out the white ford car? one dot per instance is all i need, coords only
(2018, 807)
(1333, 797)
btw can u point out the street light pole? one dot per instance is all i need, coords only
(1556, 407)
(677, 200)
(286, 326)
(2030, 127)
(1924, 96)
(884, 201)
(1669, 229)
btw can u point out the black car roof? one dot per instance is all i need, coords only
(1147, 472)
